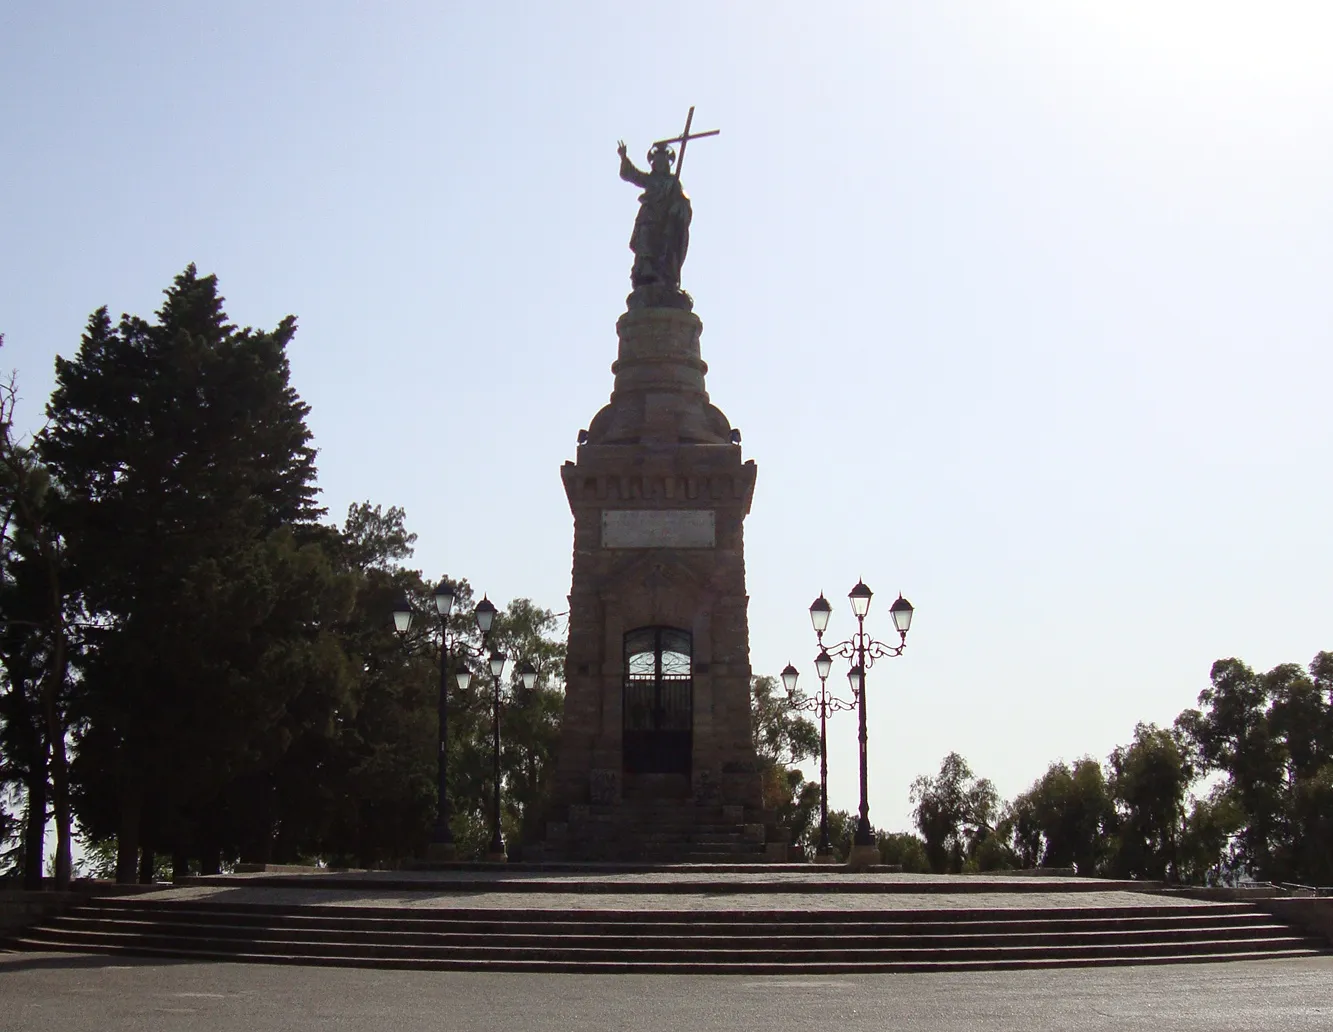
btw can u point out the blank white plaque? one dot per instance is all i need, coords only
(658, 528)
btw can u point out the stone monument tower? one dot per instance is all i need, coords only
(656, 738)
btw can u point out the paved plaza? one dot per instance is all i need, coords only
(72, 993)
(627, 894)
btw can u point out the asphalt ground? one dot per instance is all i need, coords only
(72, 993)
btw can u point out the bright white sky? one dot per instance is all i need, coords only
(1023, 307)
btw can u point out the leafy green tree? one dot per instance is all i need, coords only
(1311, 820)
(1064, 819)
(35, 610)
(955, 811)
(902, 849)
(784, 738)
(188, 508)
(530, 720)
(1207, 855)
(374, 801)
(1231, 733)
(380, 768)
(1271, 736)
(841, 831)
(1149, 781)
(24, 738)
(1300, 719)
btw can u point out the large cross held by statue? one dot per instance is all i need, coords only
(684, 138)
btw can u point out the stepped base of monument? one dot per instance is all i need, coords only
(664, 831)
(765, 920)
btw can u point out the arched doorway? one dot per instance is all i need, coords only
(658, 701)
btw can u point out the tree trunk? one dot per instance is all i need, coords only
(180, 865)
(127, 842)
(34, 825)
(210, 861)
(55, 731)
(53, 681)
(147, 865)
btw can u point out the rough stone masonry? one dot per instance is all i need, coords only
(659, 495)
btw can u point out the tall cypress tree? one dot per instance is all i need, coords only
(189, 507)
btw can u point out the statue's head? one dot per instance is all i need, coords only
(660, 157)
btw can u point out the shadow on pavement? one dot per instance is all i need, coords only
(76, 961)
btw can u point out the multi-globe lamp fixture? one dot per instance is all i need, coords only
(861, 651)
(442, 843)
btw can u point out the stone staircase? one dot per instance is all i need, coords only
(664, 832)
(715, 941)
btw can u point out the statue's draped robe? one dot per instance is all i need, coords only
(662, 228)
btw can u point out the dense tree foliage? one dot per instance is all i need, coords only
(955, 813)
(1270, 738)
(35, 610)
(1063, 819)
(221, 661)
(783, 738)
(1240, 787)
(187, 505)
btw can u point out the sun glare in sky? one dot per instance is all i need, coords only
(1213, 42)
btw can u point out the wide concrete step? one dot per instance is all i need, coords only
(561, 948)
(671, 922)
(472, 960)
(591, 940)
(699, 937)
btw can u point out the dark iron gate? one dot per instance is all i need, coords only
(658, 701)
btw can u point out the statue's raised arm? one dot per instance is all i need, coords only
(628, 170)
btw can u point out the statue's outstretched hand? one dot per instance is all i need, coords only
(620, 148)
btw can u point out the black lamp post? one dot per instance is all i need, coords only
(442, 837)
(824, 703)
(863, 651)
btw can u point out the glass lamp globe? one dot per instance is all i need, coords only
(444, 598)
(485, 614)
(402, 615)
(820, 611)
(901, 611)
(860, 597)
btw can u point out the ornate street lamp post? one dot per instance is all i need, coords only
(863, 651)
(442, 838)
(824, 703)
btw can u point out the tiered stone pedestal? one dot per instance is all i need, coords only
(663, 832)
(659, 454)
